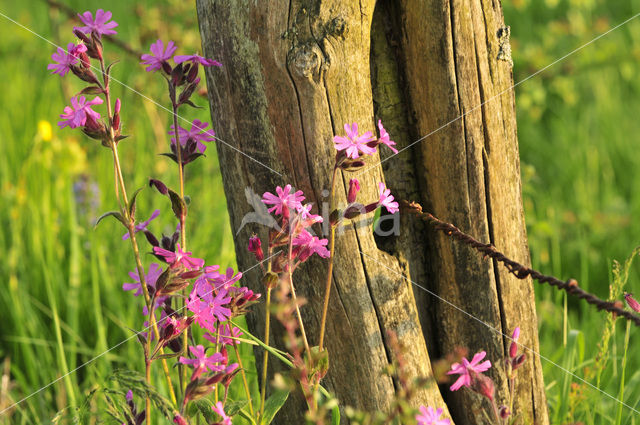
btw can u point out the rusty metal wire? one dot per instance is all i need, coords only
(518, 270)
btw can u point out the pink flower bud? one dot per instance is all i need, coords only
(504, 412)
(255, 246)
(513, 350)
(518, 361)
(632, 302)
(483, 385)
(354, 188)
(177, 419)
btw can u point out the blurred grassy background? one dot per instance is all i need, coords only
(61, 301)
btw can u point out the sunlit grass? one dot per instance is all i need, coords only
(62, 301)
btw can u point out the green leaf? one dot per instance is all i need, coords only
(273, 405)
(203, 406)
(232, 408)
(335, 416)
(166, 356)
(92, 90)
(132, 203)
(114, 214)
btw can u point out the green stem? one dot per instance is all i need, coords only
(332, 238)
(244, 377)
(131, 227)
(624, 367)
(183, 235)
(293, 291)
(265, 361)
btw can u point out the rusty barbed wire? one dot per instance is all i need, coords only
(518, 270)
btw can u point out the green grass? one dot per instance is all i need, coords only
(62, 294)
(62, 301)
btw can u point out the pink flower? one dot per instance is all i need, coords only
(195, 133)
(79, 112)
(632, 302)
(466, 368)
(354, 188)
(385, 139)
(154, 272)
(99, 26)
(307, 245)
(284, 199)
(159, 55)
(219, 409)
(354, 144)
(429, 416)
(65, 59)
(386, 199)
(306, 217)
(142, 226)
(202, 362)
(196, 59)
(179, 256)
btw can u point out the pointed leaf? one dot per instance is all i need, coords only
(232, 408)
(114, 214)
(132, 203)
(109, 68)
(190, 103)
(165, 356)
(92, 90)
(273, 405)
(203, 406)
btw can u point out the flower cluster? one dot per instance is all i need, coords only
(472, 377)
(76, 58)
(183, 75)
(295, 219)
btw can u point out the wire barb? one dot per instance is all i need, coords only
(518, 270)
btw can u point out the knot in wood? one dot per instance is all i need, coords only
(337, 27)
(308, 60)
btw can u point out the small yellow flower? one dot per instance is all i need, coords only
(44, 130)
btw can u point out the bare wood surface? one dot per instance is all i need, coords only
(293, 73)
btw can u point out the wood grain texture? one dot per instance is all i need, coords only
(293, 73)
(471, 178)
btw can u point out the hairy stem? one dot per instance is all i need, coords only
(293, 290)
(332, 239)
(244, 378)
(267, 327)
(124, 205)
(183, 234)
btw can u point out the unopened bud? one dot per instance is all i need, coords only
(255, 246)
(483, 385)
(635, 306)
(270, 280)
(518, 361)
(513, 350)
(177, 419)
(116, 116)
(193, 73)
(504, 412)
(354, 188)
(353, 211)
